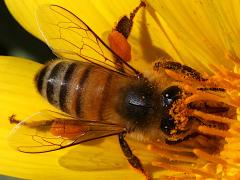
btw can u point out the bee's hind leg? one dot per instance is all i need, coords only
(132, 159)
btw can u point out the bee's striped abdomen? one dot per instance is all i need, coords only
(54, 82)
(50, 80)
(64, 88)
(74, 87)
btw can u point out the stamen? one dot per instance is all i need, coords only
(167, 147)
(205, 142)
(214, 121)
(236, 127)
(183, 169)
(232, 56)
(210, 97)
(208, 157)
(214, 131)
(225, 78)
(212, 117)
(173, 156)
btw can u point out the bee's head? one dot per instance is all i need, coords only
(144, 106)
(175, 122)
(178, 120)
(168, 97)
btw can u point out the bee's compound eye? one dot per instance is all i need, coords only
(167, 124)
(170, 95)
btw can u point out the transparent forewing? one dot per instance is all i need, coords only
(69, 37)
(48, 131)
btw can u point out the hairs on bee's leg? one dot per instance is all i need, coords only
(179, 68)
(132, 159)
(124, 26)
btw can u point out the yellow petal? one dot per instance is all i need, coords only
(25, 12)
(148, 41)
(194, 32)
(204, 30)
(88, 161)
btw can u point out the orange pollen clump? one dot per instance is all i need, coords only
(119, 44)
(180, 113)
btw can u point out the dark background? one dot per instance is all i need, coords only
(15, 41)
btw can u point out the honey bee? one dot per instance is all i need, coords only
(102, 95)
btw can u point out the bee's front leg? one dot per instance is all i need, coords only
(132, 159)
(179, 68)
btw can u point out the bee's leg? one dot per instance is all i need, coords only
(13, 119)
(123, 27)
(169, 142)
(132, 159)
(177, 67)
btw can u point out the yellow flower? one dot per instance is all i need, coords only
(196, 33)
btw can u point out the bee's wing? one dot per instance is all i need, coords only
(48, 131)
(69, 37)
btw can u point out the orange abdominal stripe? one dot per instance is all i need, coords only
(67, 130)
(119, 44)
